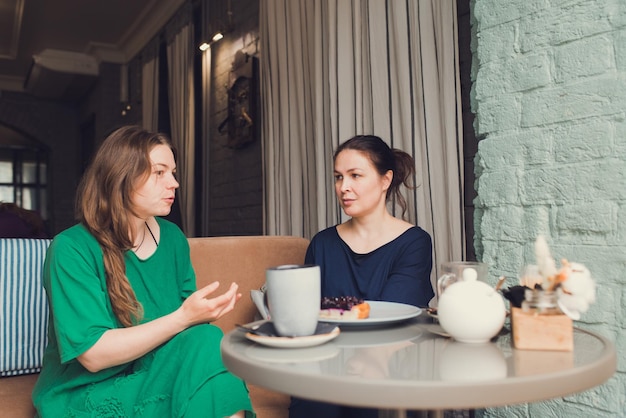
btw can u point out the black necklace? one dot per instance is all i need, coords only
(143, 238)
(153, 237)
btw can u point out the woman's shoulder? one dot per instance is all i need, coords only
(75, 234)
(72, 241)
(172, 232)
(416, 231)
(168, 227)
(325, 240)
(329, 233)
(401, 231)
(414, 237)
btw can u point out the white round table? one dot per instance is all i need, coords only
(408, 367)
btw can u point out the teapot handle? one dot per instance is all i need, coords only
(444, 281)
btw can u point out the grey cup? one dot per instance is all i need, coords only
(293, 298)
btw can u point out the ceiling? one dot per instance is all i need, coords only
(109, 30)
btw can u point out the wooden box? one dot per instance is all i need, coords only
(541, 332)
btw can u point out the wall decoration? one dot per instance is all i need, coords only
(242, 120)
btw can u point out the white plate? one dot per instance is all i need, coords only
(381, 313)
(293, 342)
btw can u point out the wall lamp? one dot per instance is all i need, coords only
(215, 38)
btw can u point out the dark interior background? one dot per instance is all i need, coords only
(70, 131)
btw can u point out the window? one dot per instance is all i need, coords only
(23, 173)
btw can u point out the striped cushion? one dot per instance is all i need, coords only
(23, 305)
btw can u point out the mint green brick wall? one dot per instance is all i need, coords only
(549, 96)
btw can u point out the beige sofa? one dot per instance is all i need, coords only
(239, 259)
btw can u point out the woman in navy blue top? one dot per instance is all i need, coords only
(373, 255)
(398, 271)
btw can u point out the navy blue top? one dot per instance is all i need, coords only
(399, 271)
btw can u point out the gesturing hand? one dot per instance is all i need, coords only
(199, 308)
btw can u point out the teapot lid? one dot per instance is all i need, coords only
(470, 275)
(469, 283)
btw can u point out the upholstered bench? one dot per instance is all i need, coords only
(23, 310)
(23, 322)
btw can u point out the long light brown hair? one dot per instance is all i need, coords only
(104, 207)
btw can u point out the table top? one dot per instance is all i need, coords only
(408, 366)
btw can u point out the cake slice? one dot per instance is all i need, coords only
(344, 307)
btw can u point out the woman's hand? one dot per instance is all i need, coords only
(121, 345)
(199, 308)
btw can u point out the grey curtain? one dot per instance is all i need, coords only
(150, 86)
(331, 69)
(180, 52)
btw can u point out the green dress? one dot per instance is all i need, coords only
(184, 377)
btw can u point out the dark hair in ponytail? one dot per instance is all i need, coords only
(384, 158)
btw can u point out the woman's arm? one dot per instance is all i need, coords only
(122, 345)
(409, 279)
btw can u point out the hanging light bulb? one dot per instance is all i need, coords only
(206, 45)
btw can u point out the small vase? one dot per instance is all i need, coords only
(541, 302)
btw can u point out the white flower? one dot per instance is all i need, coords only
(577, 291)
(545, 262)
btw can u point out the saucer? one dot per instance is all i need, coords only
(323, 333)
(303, 354)
(435, 329)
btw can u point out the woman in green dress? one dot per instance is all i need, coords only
(129, 334)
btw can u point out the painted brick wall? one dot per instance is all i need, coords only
(236, 176)
(549, 95)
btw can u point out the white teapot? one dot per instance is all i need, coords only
(469, 310)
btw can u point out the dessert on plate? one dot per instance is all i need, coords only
(344, 307)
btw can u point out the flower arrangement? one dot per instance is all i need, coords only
(575, 288)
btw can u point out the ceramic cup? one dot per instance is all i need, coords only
(293, 298)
